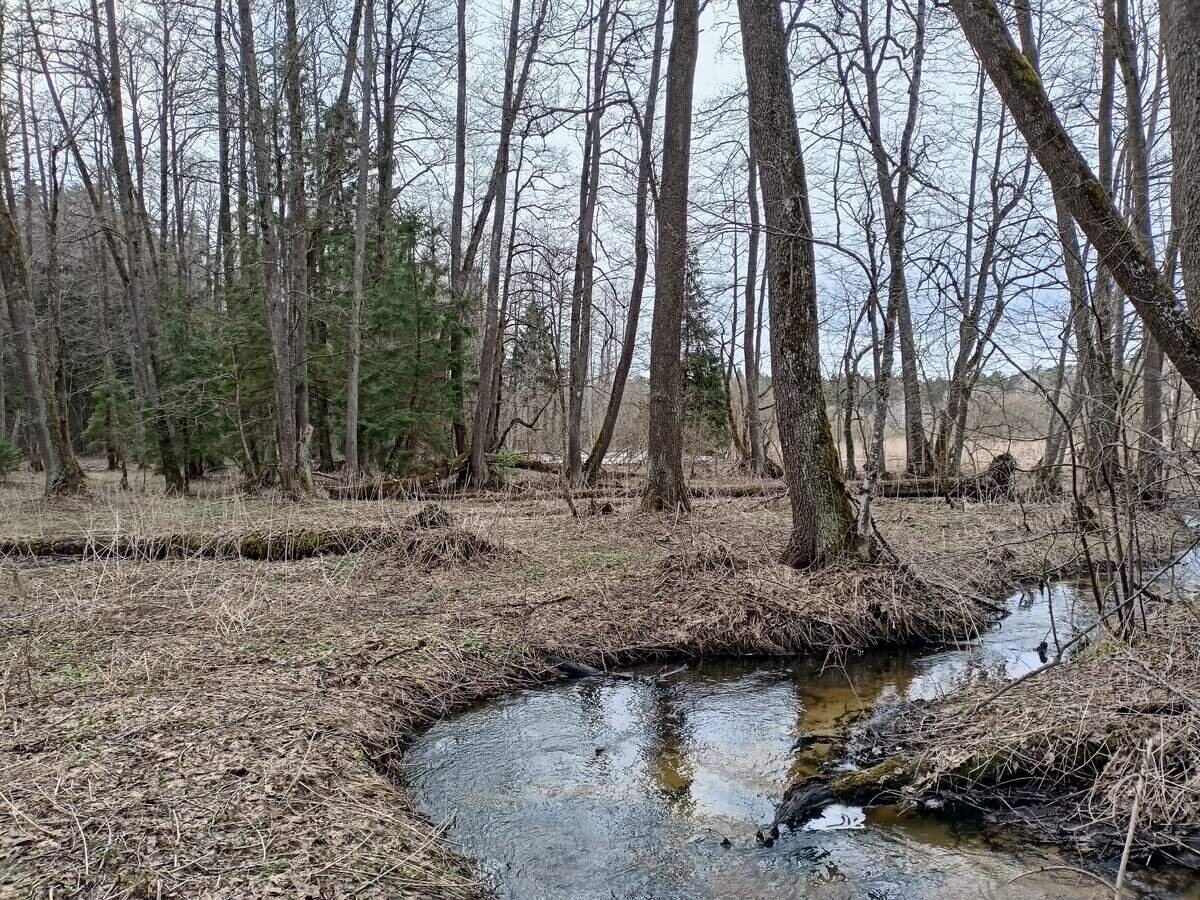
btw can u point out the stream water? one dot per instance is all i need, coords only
(654, 787)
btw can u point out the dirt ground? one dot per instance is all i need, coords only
(227, 728)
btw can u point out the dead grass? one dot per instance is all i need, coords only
(227, 728)
(1070, 749)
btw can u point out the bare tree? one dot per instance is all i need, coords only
(581, 295)
(1074, 185)
(823, 522)
(665, 489)
(361, 216)
(641, 252)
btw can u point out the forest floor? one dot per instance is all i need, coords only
(231, 728)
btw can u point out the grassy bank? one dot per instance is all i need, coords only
(227, 727)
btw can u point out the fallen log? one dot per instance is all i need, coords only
(265, 544)
(995, 483)
(864, 786)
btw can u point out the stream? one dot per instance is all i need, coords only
(654, 787)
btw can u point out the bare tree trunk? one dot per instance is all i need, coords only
(665, 489)
(296, 257)
(823, 524)
(62, 472)
(514, 92)
(1096, 385)
(581, 294)
(142, 309)
(225, 246)
(894, 195)
(1119, 247)
(361, 214)
(641, 256)
(458, 425)
(758, 457)
(1151, 437)
(1180, 31)
(274, 291)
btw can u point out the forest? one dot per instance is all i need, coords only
(599, 448)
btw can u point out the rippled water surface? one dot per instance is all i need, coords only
(653, 787)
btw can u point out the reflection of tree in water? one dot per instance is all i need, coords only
(666, 754)
(830, 697)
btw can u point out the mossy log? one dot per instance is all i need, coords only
(866, 785)
(997, 482)
(271, 544)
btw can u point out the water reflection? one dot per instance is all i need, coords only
(603, 788)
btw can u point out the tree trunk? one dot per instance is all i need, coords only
(1119, 248)
(1180, 31)
(142, 308)
(665, 489)
(296, 257)
(458, 425)
(274, 290)
(514, 92)
(581, 294)
(895, 202)
(1150, 440)
(823, 524)
(361, 214)
(641, 256)
(62, 472)
(749, 343)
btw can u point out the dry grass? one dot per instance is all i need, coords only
(1069, 749)
(227, 728)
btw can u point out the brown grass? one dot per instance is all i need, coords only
(1066, 750)
(230, 728)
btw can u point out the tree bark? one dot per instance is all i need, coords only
(895, 203)
(665, 489)
(361, 215)
(581, 294)
(296, 258)
(62, 472)
(142, 308)
(823, 523)
(641, 252)
(274, 290)
(1181, 34)
(749, 344)
(1119, 249)
(514, 91)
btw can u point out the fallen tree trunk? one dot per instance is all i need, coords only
(997, 482)
(270, 544)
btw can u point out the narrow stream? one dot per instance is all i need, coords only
(654, 787)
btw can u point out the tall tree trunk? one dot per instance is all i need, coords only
(458, 423)
(1150, 440)
(274, 290)
(514, 92)
(665, 489)
(62, 472)
(641, 252)
(143, 307)
(893, 184)
(1119, 248)
(225, 246)
(823, 524)
(1180, 31)
(758, 457)
(296, 257)
(581, 294)
(361, 215)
